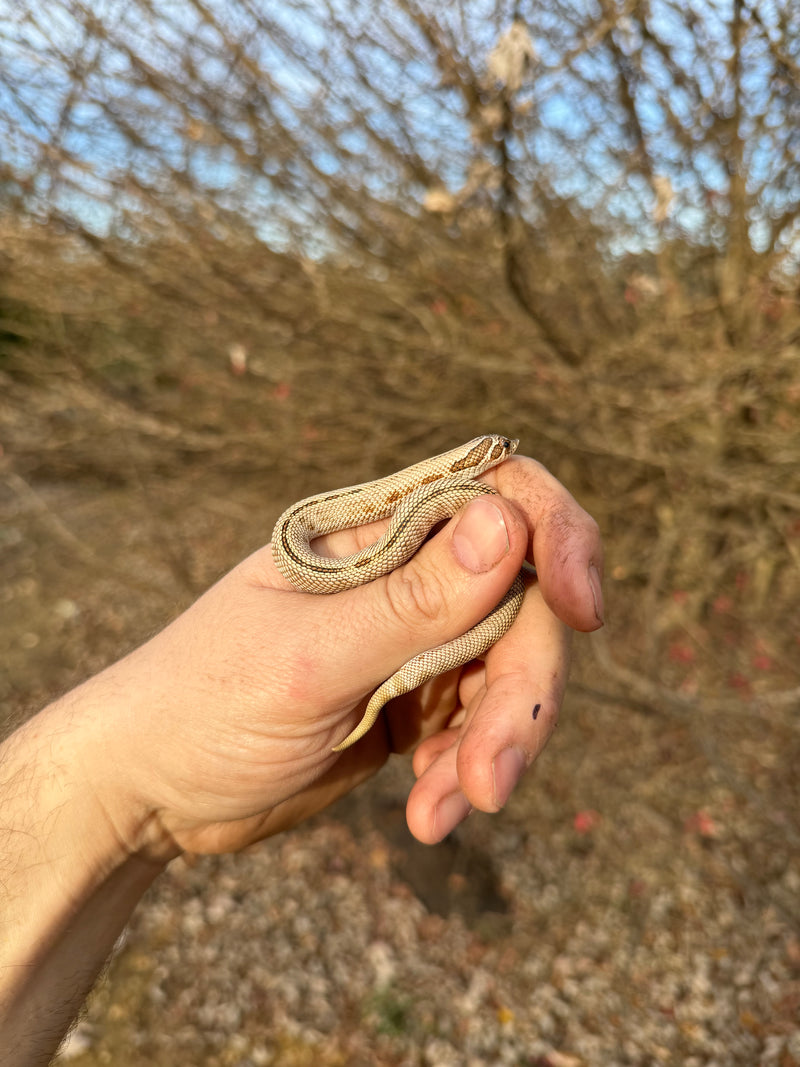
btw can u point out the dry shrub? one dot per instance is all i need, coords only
(679, 436)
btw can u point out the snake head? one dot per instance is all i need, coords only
(483, 453)
(502, 447)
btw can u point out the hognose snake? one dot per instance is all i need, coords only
(415, 498)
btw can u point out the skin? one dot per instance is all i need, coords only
(218, 732)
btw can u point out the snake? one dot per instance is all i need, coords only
(414, 499)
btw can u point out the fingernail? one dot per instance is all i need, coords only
(506, 771)
(450, 811)
(597, 591)
(480, 540)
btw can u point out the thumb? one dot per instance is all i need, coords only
(447, 587)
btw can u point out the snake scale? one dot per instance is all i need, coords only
(414, 499)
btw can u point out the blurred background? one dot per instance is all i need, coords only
(250, 250)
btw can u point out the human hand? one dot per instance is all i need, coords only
(218, 732)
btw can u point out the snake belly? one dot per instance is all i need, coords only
(414, 500)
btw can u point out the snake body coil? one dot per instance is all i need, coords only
(414, 500)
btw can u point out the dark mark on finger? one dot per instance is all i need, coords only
(536, 711)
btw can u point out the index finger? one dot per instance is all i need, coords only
(565, 543)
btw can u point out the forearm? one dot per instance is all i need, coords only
(67, 884)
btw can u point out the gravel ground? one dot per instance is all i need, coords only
(553, 934)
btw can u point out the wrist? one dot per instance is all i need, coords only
(69, 880)
(93, 746)
(64, 799)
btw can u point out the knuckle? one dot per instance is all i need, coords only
(414, 594)
(569, 523)
(592, 526)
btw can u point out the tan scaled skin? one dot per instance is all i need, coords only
(414, 499)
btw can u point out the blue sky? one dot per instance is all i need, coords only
(578, 144)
